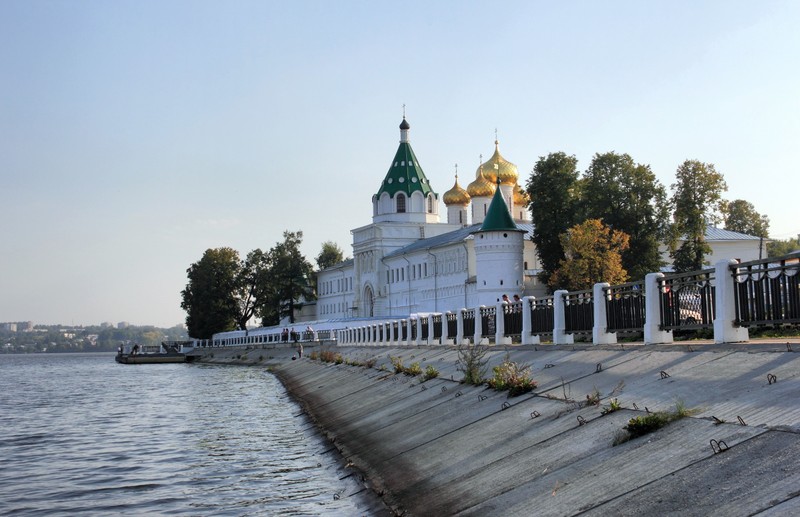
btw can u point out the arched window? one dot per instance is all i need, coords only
(430, 204)
(401, 203)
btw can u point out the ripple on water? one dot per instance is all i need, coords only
(85, 435)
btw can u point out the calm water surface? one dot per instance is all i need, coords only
(80, 434)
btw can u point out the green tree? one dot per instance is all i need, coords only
(741, 216)
(288, 281)
(697, 201)
(252, 285)
(331, 254)
(628, 197)
(593, 254)
(209, 298)
(554, 190)
(781, 248)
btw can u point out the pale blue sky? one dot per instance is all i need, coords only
(134, 135)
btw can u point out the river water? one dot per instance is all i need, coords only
(80, 434)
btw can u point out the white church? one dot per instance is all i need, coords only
(407, 261)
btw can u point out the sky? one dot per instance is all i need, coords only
(134, 135)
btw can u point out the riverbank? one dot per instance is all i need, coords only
(440, 447)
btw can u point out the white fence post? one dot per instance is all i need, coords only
(527, 322)
(478, 326)
(652, 312)
(600, 334)
(725, 305)
(560, 336)
(500, 324)
(460, 327)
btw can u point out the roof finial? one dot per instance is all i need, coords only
(404, 110)
(456, 172)
(496, 141)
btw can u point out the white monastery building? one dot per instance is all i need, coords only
(407, 261)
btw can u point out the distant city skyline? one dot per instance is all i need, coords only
(136, 135)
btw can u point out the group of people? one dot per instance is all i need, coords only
(506, 300)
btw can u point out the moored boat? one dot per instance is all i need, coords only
(134, 353)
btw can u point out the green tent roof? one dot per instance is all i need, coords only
(498, 217)
(405, 174)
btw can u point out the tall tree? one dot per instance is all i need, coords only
(741, 216)
(554, 191)
(697, 201)
(628, 197)
(252, 285)
(209, 298)
(331, 254)
(289, 281)
(593, 254)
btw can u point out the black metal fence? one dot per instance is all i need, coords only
(579, 312)
(543, 316)
(423, 327)
(452, 324)
(488, 326)
(767, 292)
(687, 300)
(512, 319)
(625, 307)
(437, 326)
(469, 322)
(404, 330)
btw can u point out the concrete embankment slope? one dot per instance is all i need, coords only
(443, 448)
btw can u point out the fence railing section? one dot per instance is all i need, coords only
(625, 308)
(512, 318)
(767, 292)
(488, 325)
(437, 326)
(542, 316)
(687, 300)
(468, 315)
(579, 312)
(452, 324)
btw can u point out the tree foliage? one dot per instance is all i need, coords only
(593, 253)
(330, 255)
(780, 248)
(225, 293)
(554, 191)
(628, 197)
(741, 216)
(288, 281)
(209, 298)
(697, 202)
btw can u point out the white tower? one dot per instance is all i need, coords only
(499, 246)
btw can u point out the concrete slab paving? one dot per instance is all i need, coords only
(472, 451)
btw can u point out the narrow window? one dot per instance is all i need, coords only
(401, 203)
(430, 204)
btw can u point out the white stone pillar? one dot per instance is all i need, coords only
(560, 336)
(725, 306)
(652, 312)
(478, 325)
(460, 327)
(600, 334)
(527, 322)
(500, 324)
(431, 339)
(445, 337)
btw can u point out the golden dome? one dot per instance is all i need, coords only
(506, 171)
(521, 198)
(456, 195)
(481, 187)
